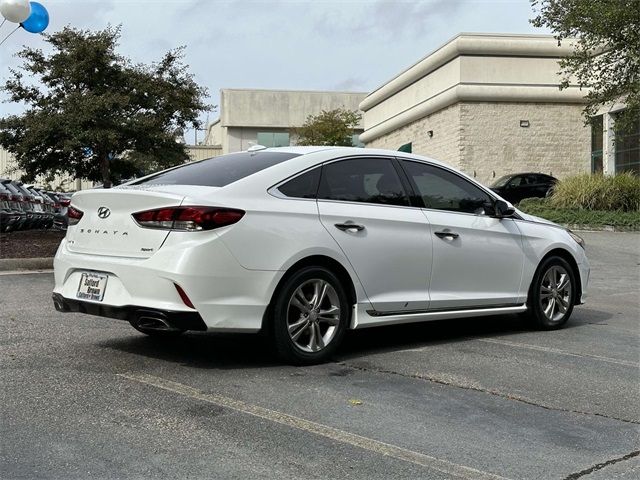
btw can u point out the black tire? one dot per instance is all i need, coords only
(284, 316)
(157, 333)
(540, 297)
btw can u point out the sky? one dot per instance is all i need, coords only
(349, 45)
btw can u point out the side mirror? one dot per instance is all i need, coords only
(503, 209)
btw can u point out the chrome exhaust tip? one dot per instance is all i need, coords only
(153, 321)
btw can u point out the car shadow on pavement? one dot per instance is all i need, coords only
(236, 351)
(200, 350)
(418, 335)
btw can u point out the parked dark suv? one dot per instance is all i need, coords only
(517, 186)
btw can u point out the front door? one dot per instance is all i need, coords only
(364, 207)
(477, 259)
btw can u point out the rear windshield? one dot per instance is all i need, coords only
(219, 171)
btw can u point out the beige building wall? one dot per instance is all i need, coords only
(64, 183)
(485, 139)
(202, 152)
(493, 143)
(444, 145)
(244, 113)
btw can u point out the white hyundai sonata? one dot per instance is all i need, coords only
(307, 242)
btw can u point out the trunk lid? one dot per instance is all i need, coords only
(107, 227)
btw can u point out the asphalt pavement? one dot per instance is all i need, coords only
(91, 398)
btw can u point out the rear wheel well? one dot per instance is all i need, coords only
(566, 255)
(316, 261)
(328, 263)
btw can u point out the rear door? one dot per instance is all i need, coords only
(365, 208)
(107, 227)
(477, 259)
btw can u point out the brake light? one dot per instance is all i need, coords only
(189, 219)
(65, 202)
(5, 196)
(74, 215)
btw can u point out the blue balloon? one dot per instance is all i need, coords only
(38, 20)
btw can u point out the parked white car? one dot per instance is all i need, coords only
(307, 242)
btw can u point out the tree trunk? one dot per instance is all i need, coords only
(106, 174)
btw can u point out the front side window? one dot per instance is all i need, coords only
(365, 180)
(444, 190)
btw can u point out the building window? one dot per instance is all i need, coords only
(355, 141)
(628, 150)
(597, 135)
(273, 139)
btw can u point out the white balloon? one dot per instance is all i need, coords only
(15, 11)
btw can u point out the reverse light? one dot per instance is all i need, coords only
(74, 215)
(188, 219)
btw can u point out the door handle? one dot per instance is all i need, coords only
(446, 234)
(349, 226)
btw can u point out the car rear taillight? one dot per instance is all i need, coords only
(5, 196)
(188, 219)
(65, 202)
(74, 215)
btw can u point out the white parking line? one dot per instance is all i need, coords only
(335, 434)
(560, 352)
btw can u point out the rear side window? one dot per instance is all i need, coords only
(219, 171)
(302, 186)
(366, 180)
(444, 190)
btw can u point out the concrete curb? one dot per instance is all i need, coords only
(12, 264)
(597, 228)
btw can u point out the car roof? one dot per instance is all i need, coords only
(347, 151)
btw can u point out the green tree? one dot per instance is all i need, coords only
(607, 56)
(92, 113)
(332, 127)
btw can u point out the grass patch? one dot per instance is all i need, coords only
(545, 208)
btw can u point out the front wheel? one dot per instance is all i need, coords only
(310, 315)
(552, 294)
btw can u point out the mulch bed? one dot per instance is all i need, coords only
(30, 243)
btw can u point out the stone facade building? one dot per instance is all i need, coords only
(488, 105)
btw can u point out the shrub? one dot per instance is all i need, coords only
(598, 192)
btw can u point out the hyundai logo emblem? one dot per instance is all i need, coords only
(104, 212)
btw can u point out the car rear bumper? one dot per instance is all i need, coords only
(131, 313)
(226, 296)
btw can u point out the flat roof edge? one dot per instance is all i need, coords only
(499, 44)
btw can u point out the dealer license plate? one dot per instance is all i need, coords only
(92, 286)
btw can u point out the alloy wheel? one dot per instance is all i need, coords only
(313, 315)
(555, 293)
